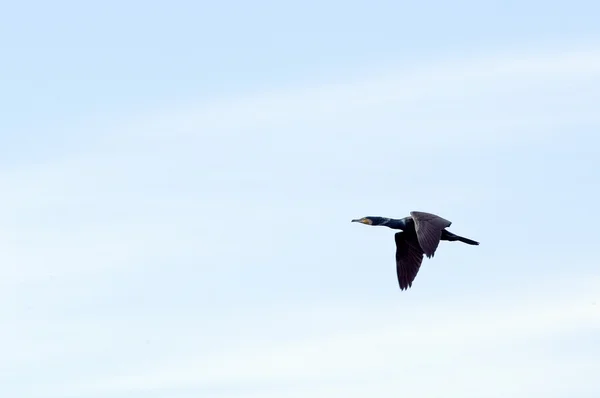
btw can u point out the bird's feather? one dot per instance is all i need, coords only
(409, 257)
(429, 230)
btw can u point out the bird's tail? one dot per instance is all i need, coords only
(447, 235)
(467, 240)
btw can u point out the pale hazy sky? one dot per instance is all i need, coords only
(178, 180)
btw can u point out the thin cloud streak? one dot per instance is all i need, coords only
(464, 78)
(380, 344)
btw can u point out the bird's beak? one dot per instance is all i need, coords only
(356, 220)
(362, 220)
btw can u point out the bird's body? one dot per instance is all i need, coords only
(420, 234)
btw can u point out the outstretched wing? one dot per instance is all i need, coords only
(429, 230)
(409, 257)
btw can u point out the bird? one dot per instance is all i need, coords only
(420, 234)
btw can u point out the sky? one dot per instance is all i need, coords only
(178, 181)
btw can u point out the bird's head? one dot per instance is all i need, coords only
(371, 220)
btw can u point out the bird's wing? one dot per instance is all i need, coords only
(429, 230)
(409, 257)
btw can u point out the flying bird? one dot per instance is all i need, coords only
(420, 234)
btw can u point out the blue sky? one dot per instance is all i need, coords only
(179, 179)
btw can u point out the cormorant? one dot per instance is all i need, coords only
(420, 234)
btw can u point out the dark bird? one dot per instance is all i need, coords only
(420, 234)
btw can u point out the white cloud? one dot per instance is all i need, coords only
(395, 346)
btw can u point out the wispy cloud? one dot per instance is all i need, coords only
(393, 352)
(404, 89)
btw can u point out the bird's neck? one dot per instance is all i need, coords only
(395, 223)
